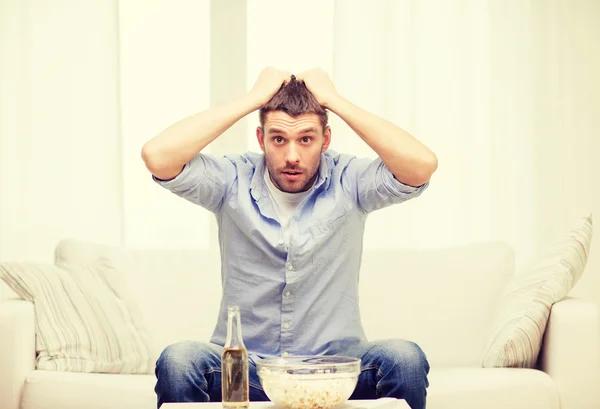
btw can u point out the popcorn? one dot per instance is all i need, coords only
(308, 391)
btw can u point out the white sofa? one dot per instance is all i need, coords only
(443, 299)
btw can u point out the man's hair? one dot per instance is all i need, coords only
(294, 99)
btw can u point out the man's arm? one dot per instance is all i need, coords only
(166, 154)
(411, 162)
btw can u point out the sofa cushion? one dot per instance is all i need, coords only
(491, 388)
(82, 322)
(443, 299)
(67, 390)
(525, 308)
(177, 291)
(470, 388)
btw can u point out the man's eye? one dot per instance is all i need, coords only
(278, 139)
(306, 139)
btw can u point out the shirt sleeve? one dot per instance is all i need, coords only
(373, 185)
(205, 181)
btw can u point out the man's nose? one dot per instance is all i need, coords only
(292, 155)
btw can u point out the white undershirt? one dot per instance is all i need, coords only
(285, 204)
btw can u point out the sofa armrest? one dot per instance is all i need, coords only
(571, 352)
(17, 350)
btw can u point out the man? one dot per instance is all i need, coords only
(291, 224)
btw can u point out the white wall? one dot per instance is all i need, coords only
(567, 145)
(84, 85)
(288, 37)
(506, 93)
(60, 173)
(164, 76)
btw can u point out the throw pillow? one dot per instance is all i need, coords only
(82, 323)
(525, 306)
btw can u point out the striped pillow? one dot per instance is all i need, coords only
(82, 323)
(525, 307)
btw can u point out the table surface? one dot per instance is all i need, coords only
(383, 403)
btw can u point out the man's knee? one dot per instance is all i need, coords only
(185, 356)
(404, 355)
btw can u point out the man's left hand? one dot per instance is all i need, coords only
(319, 84)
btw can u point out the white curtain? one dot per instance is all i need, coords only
(83, 86)
(506, 93)
(59, 130)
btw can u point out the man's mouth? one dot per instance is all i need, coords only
(292, 175)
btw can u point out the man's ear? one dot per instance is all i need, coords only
(260, 136)
(326, 138)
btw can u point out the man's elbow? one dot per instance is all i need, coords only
(157, 165)
(423, 174)
(430, 166)
(151, 157)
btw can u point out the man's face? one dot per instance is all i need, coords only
(293, 148)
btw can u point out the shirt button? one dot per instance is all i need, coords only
(287, 294)
(280, 241)
(286, 325)
(290, 267)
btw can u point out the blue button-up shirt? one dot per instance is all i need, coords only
(303, 300)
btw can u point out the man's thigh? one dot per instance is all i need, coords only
(379, 358)
(205, 359)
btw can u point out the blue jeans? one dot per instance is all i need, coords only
(191, 372)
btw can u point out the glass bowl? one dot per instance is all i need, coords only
(308, 382)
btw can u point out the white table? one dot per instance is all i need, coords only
(383, 403)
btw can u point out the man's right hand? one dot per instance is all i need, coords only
(268, 83)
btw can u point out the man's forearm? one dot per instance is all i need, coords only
(167, 153)
(410, 161)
